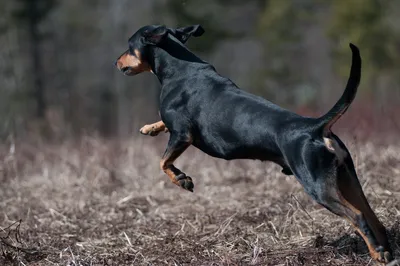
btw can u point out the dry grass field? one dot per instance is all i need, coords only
(97, 203)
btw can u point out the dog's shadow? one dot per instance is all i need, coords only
(353, 244)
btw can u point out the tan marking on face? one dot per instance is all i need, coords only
(135, 62)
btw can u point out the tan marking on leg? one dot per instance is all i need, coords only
(352, 196)
(372, 250)
(154, 129)
(172, 172)
(167, 167)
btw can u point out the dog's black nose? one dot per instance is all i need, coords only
(115, 63)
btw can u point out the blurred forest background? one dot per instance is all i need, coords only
(58, 81)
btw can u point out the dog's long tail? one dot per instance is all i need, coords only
(326, 121)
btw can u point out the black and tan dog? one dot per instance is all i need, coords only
(201, 108)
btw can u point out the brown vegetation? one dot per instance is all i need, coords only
(97, 203)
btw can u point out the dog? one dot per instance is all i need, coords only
(201, 108)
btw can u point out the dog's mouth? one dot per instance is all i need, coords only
(127, 71)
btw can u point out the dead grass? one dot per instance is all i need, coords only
(102, 203)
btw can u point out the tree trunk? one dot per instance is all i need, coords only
(38, 83)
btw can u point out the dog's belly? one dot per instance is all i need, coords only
(231, 151)
(245, 153)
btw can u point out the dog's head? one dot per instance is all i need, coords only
(135, 60)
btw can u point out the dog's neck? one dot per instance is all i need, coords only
(172, 58)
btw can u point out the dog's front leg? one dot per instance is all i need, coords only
(154, 129)
(177, 144)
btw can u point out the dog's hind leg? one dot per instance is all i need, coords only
(354, 198)
(333, 183)
(177, 144)
(153, 129)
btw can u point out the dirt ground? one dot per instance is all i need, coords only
(97, 203)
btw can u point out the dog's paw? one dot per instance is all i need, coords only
(185, 182)
(149, 130)
(387, 256)
(382, 256)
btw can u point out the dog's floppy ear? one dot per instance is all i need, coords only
(183, 34)
(155, 36)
